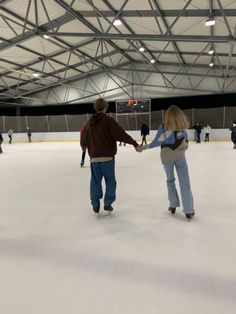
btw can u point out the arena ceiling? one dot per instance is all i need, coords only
(72, 51)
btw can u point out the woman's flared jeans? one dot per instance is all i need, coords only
(184, 183)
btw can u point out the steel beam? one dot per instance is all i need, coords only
(187, 53)
(68, 80)
(31, 34)
(165, 13)
(137, 70)
(132, 32)
(145, 37)
(187, 65)
(77, 15)
(3, 2)
(57, 72)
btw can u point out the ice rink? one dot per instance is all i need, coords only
(58, 257)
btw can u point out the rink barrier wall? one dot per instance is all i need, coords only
(216, 135)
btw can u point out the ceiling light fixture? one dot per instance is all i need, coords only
(141, 49)
(46, 36)
(210, 22)
(36, 74)
(211, 64)
(153, 61)
(210, 52)
(117, 23)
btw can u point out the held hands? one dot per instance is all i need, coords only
(139, 148)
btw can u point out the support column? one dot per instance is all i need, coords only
(162, 116)
(223, 117)
(18, 122)
(136, 122)
(48, 126)
(4, 124)
(67, 125)
(26, 121)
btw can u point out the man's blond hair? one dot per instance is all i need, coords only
(100, 104)
(175, 119)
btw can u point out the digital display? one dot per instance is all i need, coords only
(133, 105)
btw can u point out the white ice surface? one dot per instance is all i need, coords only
(57, 257)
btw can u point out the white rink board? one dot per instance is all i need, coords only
(217, 135)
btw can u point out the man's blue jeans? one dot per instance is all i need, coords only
(100, 170)
(184, 183)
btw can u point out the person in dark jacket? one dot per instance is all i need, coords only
(198, 130)
(233, 133)
(144, 133)
(29, 133)
(1, 140)
(99, 136)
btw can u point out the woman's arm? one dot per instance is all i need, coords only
(158, 139)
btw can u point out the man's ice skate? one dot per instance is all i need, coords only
(96, 208)
(190, 216)
(108, 208)
(172, 210)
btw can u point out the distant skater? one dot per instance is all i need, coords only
(1, 140)
(144, 132)
(173, 139)
(198, 130)
(233, 133)
(194, 127)
(29, 133)
(207, 130)
(10, 135)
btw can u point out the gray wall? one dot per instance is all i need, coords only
(215, 117)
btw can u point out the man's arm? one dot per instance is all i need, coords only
(119, 134)
(84, 138)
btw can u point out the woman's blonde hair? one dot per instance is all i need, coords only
(175, 119)
(100, 104)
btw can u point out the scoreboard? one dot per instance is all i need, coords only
(133, 106)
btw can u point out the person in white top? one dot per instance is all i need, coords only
(207, 130)
(10, 134)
